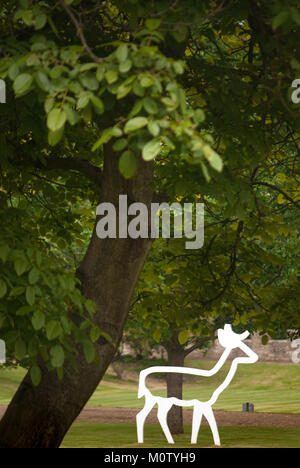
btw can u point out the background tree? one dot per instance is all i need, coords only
(130, 78)
(184, 297)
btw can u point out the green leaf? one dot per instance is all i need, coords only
(88, 66)
(60, 373)
(38, 257)
(213, 158)
(56, 72)
(95, 333)
(36, 375)
(55, 137)
(280, 19)
(157, 335)
(83, 100)
(265, 340)
(199, 116)
(4, 251)
(90, 307)
(100, 73)
(107, 337)
(40, 21)
(183, 336)
(150, 105)
(72, 116)
(20, 349)
(123, 91)
(124, 67)
(43, 81)
(178, 67)
(146, 81)
(135, 124)
(30, 295)
(13, 71)
(98, 103)
(20, 265)
(17, 291)
(128, 164)
(295, 15)
(136, 108)
(89, 351)
(48, 105)
(66, 324)
(90, 81)
(152, 23)
(154, 128)
(181, 188)
(33, 276)
(122, 53)
(106, 136)
(53, 330)
(44, 353)
(111, 76)
(120, 144)
(151, 149)
(22, 83)
(56, 119)
(205, 171)
(33, 347)
(57, 356)
(3, 288)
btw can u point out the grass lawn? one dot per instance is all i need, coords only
(271, 387)
(108, 435)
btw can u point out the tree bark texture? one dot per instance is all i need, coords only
(175, 382)
(39, 417)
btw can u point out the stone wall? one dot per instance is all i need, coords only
(274, 351)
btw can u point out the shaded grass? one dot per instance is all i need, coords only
(109, 435)
(10, 379)
(270, 387)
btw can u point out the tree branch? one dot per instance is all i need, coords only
(200, 342)
(277, 189)
(83, 166)
(79, 30)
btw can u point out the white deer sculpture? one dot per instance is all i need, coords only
(229, 340)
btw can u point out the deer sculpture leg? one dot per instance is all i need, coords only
(208, 413)
(141, 417)
(164, 406)
(197, 417)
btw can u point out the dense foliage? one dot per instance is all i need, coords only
(200, 88)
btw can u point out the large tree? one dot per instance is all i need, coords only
(109, 98)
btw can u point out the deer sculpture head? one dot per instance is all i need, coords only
(231, 340)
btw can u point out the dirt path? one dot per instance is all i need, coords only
(224, 418)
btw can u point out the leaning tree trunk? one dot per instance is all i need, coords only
(39, 417)
(174, 383)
